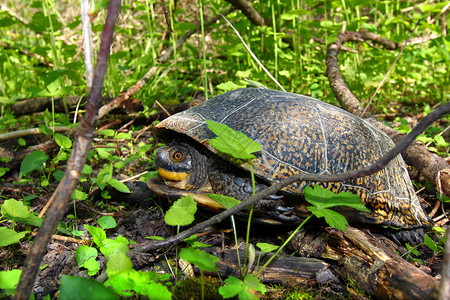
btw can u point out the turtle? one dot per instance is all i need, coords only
(298, 134)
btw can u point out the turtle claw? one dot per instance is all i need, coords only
(413, 237)
(274, 197)
(283, 209)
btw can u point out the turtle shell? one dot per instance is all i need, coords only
(300, 134)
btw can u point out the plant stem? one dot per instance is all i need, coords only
(284, 244)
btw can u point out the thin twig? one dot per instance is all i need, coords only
(253, 55)
(389, 71)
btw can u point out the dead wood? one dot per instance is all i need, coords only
(433, 167)
(372, 266)
(284, 269)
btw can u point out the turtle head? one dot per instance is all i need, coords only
(182, 166)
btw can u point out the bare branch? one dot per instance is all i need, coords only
(75, 163)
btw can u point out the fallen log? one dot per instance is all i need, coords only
(373, 267)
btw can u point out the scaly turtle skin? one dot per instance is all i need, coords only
(298, 134)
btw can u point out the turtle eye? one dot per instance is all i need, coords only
(178, 155)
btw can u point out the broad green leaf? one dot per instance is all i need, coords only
(123, 136)
(9, 236)
(84, 253)
(109, 247)
(430, 243)
(104, 176)
(333, 219)
(63, 141)
(107, 132)
(120, 186)
(204, 261)
(92, 266)
(323, 198)
(227, 202)
(118, 262)
(228, 86)
(32, 161)
(254, 283)
(440, 142)
(193, 241)
(412, 249)
(243, 288)
(142, 283)
(98, 234)
(104, 153)
(3, 171)
(107, 222)
(13, 209)
(79, 195)
(234, 286)
(265, 247)
(73, 287)
(156, 290)
(9, 280)
(181, 213)
(232, 142)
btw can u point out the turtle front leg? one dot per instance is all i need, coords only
(240, 187)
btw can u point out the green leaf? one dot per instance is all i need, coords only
(333, 219)
(243, 288)
(73, 287)
(107, 132)
(118, 262)
(323, 198)
(107, 222)
(228, 86)
(232, 142)
(92, 266)
(265, 247)
(63, 141)
(79, 195)
(3, 171)
(234, 286)
(104, 153)
(142, 283)
(109, 247)
(193, 241)
(123, 136)
(98, 234)
(412, 249)
(430, 243)
(120, 186)
(32, 161)
(227, 202)
(104, 176)
(9, 280)
(13, 209)
(9, 236)
(204, 261)
(254, 283)
(84, 253)
(181, 213)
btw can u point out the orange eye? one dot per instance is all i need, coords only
(177, 156)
